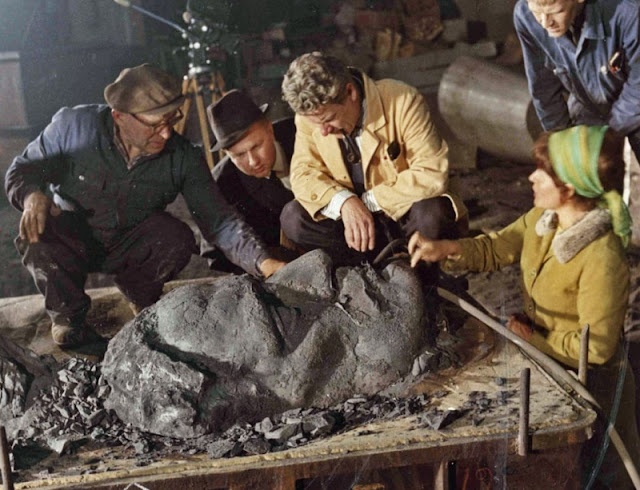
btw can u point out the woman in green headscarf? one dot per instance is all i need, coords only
(571, 250)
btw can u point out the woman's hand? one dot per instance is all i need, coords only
(520, 325)
(421, 248)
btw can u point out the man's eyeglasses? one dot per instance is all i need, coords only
(165, 123)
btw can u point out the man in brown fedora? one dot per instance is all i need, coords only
(92, 188)
(254, 174)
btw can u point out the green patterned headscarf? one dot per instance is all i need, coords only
(574, 154)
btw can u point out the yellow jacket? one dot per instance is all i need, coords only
(394, 112)
(590, 287)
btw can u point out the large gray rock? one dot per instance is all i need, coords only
(206, 356)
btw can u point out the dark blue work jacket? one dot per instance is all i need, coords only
(76, 157)
(601, 73)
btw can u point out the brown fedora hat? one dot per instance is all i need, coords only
(231, 116)
(144, 89)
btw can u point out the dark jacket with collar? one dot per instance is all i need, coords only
(75, 156)
(259, 200)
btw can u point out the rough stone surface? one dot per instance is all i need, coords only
(22, 375)
(206, 356)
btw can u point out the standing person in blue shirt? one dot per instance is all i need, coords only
(589, 50)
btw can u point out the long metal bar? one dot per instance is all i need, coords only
(523, 431)
(553, 369)
(5, 464)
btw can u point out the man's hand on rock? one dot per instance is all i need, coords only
(359, 227)
(37, 207)
(268, 267)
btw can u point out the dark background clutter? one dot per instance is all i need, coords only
(56, 53)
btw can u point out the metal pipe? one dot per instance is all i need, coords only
(523, 431)
(583, 365)
(489, 106)
(556, 371)
(5, 464)
(388, 250)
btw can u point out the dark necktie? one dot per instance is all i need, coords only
(353, 159)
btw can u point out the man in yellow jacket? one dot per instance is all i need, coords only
(368, 163)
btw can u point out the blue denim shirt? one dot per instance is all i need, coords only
(76, 158)
(598, 93)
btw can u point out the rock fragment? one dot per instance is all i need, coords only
(265, 425)
(318, 424)
(283, 433)
(59, 444)
(256, 445)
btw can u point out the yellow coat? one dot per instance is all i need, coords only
(394, 112)
(591, 288)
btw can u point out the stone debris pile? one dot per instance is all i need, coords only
(68, 410)
(71, 413)
(299, 426)
(22, 375)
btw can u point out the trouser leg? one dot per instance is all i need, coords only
(634, 363)
(149, 255)
(308, 234)
(434, 218)
(300, 227)
(59, 264)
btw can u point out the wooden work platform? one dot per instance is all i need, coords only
(393, 454)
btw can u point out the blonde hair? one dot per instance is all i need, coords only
(314, 80)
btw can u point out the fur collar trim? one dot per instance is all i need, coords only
(567, 243)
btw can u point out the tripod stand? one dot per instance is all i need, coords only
(201, 81)
(201, 78)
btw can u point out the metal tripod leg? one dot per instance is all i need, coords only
(191, 88)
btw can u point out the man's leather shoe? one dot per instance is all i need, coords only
(64, 335)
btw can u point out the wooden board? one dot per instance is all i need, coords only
(394, 453)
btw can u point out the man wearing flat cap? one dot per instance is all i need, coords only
(93, 187)
(254, 174)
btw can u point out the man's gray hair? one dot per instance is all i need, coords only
(314, 80)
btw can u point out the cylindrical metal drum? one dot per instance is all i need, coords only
(490, 107)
